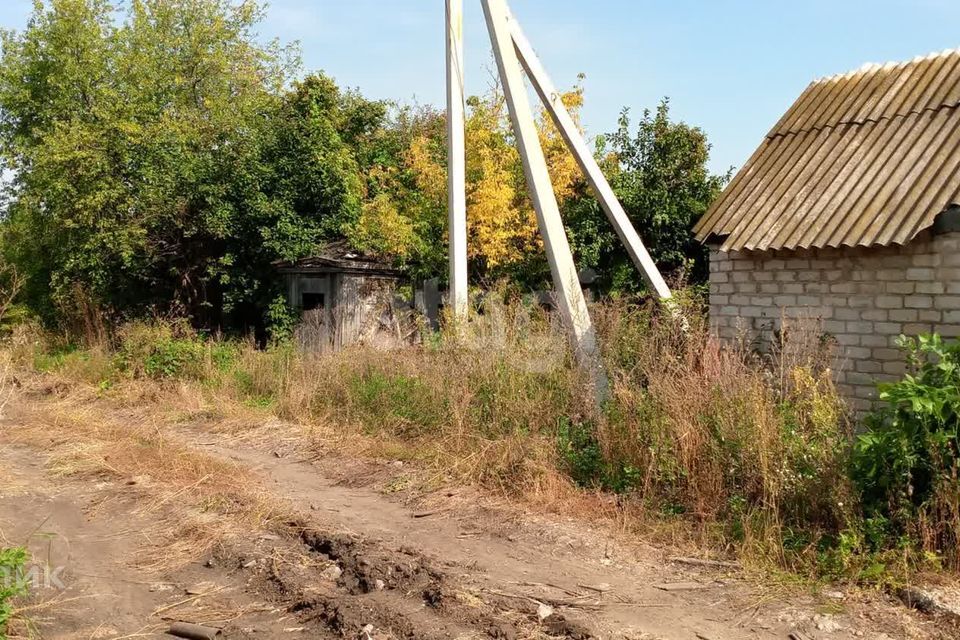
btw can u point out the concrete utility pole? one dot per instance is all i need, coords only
(551, 98)
(565, 278)
(456, 161)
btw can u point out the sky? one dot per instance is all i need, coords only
(730, 67)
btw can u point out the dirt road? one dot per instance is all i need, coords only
(354, 554)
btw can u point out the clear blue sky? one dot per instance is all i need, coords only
(729, 66)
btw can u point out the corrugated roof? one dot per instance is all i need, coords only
(866, 158)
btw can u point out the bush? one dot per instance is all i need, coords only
(161, 351)
(13, 583)
(906, 464)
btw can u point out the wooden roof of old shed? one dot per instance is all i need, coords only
(870, 157)
(339, 257)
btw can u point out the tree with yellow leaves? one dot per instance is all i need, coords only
(502, 225)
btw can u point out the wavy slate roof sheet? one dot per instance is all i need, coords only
(865, 158)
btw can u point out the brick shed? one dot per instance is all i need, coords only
(848, 213)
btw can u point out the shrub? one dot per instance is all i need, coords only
(13, 583)
(906, 464)
(581, 454)
(161, 351)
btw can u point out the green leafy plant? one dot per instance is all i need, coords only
(161, 351)
(906, 464)
(13, 583)
(580, 451)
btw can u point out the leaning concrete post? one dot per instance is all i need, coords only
(570, 298)
(553, 102)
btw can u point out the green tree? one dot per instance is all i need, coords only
(160, 164)
(300, 188)
(54, 89)
(404, 214)
(660, 176)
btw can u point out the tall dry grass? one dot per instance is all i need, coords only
(11, 283)
(753, 446)
(743, 449)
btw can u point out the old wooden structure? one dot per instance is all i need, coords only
(345, 298)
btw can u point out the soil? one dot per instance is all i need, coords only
(361, 559)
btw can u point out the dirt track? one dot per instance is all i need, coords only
(358, 560)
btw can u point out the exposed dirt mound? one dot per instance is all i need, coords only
(359, 588)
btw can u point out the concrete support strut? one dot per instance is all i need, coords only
(552, 100)
(456, 162)
(570, 297)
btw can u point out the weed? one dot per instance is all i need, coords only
(906, 464)
(160, 351)
(13, 583)
(581, 453)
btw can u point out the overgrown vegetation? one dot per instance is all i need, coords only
(160, 157)
(749, 454)
(906, 464)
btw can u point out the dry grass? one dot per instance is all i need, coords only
(195, 501)
(6, 381)
(700, 444)
(722, 435)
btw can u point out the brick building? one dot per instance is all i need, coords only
(849, 213)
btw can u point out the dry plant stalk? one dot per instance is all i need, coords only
(11, 283)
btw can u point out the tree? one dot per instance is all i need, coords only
(161, 159)
(659, 173)
(405, 211)
(660, 176)
(159, 163)
(300, 188)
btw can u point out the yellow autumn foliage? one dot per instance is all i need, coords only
(430, 175)
(563, 167)
(383, 230)
(502, 225)
(499, 223)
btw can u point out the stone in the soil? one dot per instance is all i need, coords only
(333, 572)
(826, 623)
(942, 601)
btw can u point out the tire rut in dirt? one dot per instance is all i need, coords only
(400, 587)
(399, 593)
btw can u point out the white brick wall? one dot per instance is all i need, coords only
(864, 297)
